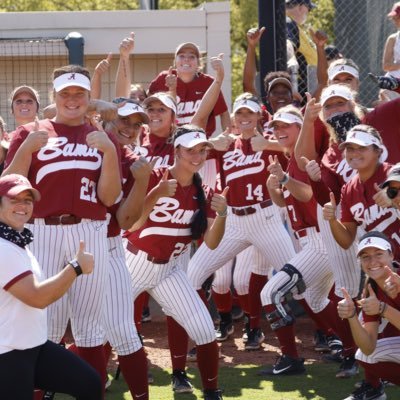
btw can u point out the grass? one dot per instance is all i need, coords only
(242, 383)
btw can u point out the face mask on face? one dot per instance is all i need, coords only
(342, 123)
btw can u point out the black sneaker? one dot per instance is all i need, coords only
(285, 365)
(180, 382)
(212, 394)
(254, 339)
(192, 354)
(320, 342)
(348, 368)
(336, 357)
(335, 344)
(146, 316)
(368, 392)
(224, 330)
(48, 396)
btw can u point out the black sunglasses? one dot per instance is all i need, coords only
(392, 192)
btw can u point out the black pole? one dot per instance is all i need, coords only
(271, 14)
(75, 42)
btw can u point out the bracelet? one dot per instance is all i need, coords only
(75, 265)
(354, 313)
(223, 214)
(285, 179)
(382, 308)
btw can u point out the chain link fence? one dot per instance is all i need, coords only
(360, 29)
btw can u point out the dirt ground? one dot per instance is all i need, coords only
(233, 353)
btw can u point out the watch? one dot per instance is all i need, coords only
(75, 265)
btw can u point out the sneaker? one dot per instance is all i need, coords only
(48, 395)
(336, 357)
(180, 382)
(246, 328)
(212, 394)
(237, 313)
(108, 383)
(320, 342)
(146, 316)
(224, 330)
(254, 340)
(348, 368)
(335, 344)
(285, 365)
(368, 392)
(192, 354)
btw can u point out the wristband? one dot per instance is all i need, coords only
(285, 179)
(382, 308)
(223, 214)
(77, 268)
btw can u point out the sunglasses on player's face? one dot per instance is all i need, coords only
(392, 192)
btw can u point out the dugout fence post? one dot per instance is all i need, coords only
(271, 14)
(75, 42)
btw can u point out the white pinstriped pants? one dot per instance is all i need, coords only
(312, 263)
(119, 327)
(263, 229)
(54, 246)
(169, 286)
(387, 350)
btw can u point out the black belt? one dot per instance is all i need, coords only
(251, 210)
(303, 232)
(64, 219)
(154, 260)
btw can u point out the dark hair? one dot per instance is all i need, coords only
(370, 281)
(199, 222)
(273, 75)
(67, 69)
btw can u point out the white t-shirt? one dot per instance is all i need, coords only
(21, 326)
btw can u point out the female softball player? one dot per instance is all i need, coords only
(76, 168)
(177, 210)
(377, 332)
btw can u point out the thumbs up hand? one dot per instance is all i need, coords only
(312, 109)
(275, 168)
(346, 307)
(381, 198)
(167, 187)
(329, 209)
(392, 283)
(258, 141)
(369, 303)
(171, 80)
(85, 259)
(103, 65)
(312, 168)
(219, 204)
(37, 138)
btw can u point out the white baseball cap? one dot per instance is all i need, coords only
(373, 241)
(71, 79)
(164, 98)
(342, 91)
(282, 81)
(132, 108)
(361, 138)
(288, 118)
(191, 139)
(342, 69)
(188, 45)
(246, 103)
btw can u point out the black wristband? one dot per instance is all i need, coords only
(77, 268)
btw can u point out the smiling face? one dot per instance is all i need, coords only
(71, 104)
(192, 159)
(246, 120)
(361, 157)
(373, 261)
(16, 211)
(127, 129)
(279, 96)
(286, 134)
(186, 62)
(161, 118)
(24, 108)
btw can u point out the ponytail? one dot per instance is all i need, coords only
(199, 223)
